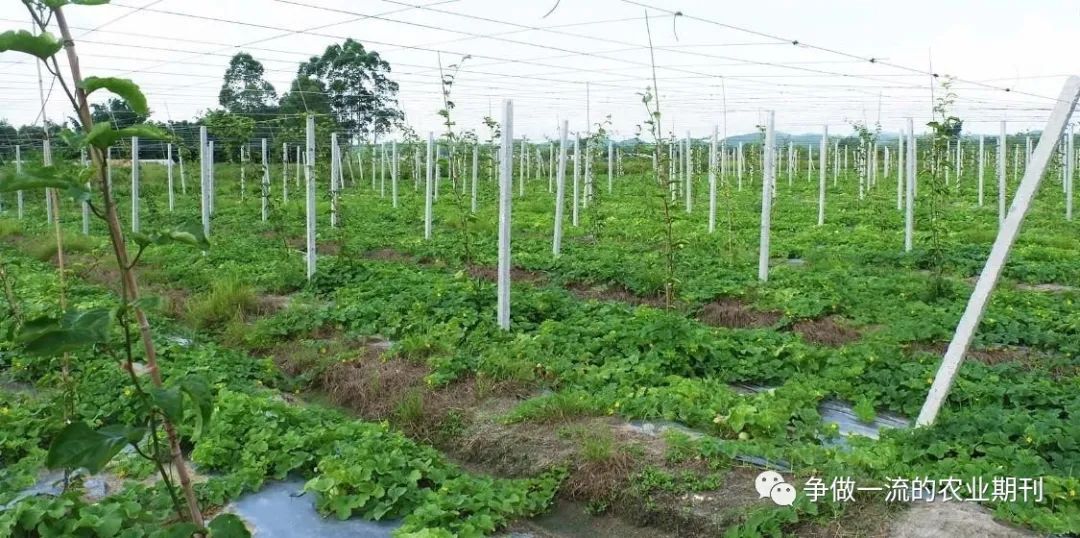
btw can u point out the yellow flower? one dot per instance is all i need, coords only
(4, 411)
(929, 381)
(127, 391)
(1028, 439)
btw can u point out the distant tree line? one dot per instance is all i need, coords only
(348, 88)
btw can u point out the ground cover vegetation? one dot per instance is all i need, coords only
(262, 373)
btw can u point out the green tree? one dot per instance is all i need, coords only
(244, 90)
(116, 112)
(360, 93)
(233, 130)
(8, 138)
(306, 96)
(185, 136)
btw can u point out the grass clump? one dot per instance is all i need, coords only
(598, 447)
(44, 249)
(556, 407)
(228, 299)
(9, 228)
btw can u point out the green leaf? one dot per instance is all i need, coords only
(75, 330)
(42, 45)
(141, 239)
(43, 177)
(56, 342)
(126, 89)
(77, 192)
(170, 401)
(180, 530)
(864, 410)
(228, 526)
(147, 302)
(103, 135)
(35, 178)
(184, 237)
(190, 234)
(199, 391)
(107, 524)
(73, 139)
(79, 446)
(94, 322)
(35, 328)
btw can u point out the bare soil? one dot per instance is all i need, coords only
(957, 519)
(569, 520)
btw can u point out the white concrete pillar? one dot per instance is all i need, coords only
(506, 185)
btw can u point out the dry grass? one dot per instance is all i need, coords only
(371, 386)
(517, 274)
(826, 331)
(395, 389)
(734, 314)
(324, 248)
(863, 518)
(613, 292)
(602, 469)
(1024, 357)
(388, 255)
(601, 482)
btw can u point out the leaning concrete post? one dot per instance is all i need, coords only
(976, 306)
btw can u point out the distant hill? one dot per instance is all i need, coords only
(754, 138)
(782, 139)
(800, 139)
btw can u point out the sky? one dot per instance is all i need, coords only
(718, 64)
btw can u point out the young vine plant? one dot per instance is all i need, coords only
(163, 404)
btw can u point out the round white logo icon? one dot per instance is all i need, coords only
(771, 485)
